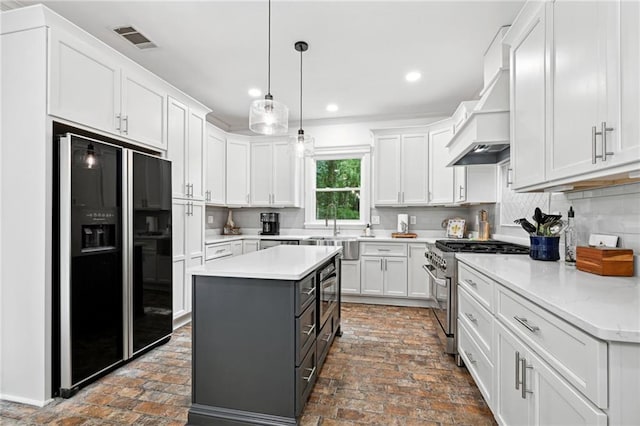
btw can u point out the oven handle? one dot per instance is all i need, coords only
(440, 281)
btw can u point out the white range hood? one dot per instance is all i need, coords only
(484, 136)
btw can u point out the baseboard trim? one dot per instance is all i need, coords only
(27, 401)
(180, 321)
(372, 300)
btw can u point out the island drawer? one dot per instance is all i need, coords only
(580, 358)
(478, 285)
(478, 320)
(306, 375)
(215, 251)
(305, 332)
(383, 249)
(325, 337)
(305, 292)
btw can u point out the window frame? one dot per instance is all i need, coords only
(362, 153)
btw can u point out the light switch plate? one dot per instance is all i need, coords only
(210, 219)
(375, 220)
(412, 220)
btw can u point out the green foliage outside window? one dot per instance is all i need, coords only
(338, 183)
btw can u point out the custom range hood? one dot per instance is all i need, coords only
(484, 137)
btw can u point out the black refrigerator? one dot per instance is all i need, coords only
(113, 281)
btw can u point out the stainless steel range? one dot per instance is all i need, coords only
(442, 268)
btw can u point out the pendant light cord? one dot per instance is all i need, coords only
(300, 89)
(269, 59)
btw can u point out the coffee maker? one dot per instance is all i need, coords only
(270, 223)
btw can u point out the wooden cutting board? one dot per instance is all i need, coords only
(404, 235)
(605, 261)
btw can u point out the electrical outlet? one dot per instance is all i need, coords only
(412, 220)
(210, 219)
(375, 220)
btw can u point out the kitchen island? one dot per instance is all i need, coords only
(262, 326)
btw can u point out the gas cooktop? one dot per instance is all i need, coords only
(475, 246)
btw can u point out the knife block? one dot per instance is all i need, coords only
(606, 261)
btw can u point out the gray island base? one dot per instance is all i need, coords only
(262, 327)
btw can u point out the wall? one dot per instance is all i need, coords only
(613, 210)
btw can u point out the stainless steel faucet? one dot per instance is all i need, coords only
(335, 219)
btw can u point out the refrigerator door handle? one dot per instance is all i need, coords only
(127, 253)
(65, 262)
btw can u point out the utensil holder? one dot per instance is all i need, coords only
(544, 248)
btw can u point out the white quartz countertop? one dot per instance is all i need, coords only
(605, 307)
(215, 239)
(275, 263)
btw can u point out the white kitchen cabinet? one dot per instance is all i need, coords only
(236, 248)
(350, 273)
(186, 126)
(441, 177)
(215, 167)
(629, 149)
(273, 175)
(250, 245)
(401, 169)
(417, 280)
(188, 251)
(530, 392)
(395, 276)
(92, 86)
(372, 275)
(475, 184)
(528, 100)
(238, 168)
(383, 275)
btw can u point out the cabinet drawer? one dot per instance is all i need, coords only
(306, 376)
(478, 320)
(325, 338)
(478, 286)
(477, 362)
(580, 358)
(215, 251)
(306, 332)
(383, 249)
(305, 292)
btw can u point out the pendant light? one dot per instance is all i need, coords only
(302, 144)
(268, 117)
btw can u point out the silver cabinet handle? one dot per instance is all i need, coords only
(460, 191)
(220, 250)
(312, 371)
(470, 356)
(384, 249)
(311, 328)
(191, 204)
(403, 196)
(326, 339)
(310, 292)
(594, 133)
(119, 118)
(381, 265)
(471, 283)
(524, 377)
(126, 122)
(247, 198)
(509, 177)
(517, 370)
(385, 264)
(471, 317)
(525, 323)
(604, 131)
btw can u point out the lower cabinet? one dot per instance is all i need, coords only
(188, 251)
(417, 282)
(250, 245)
(237, 248)
(350, 271)
(531, 367)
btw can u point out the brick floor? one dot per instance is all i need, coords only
(387, 369)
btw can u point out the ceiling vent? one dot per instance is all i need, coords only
(135, 37)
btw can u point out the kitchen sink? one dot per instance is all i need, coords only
(350, 245)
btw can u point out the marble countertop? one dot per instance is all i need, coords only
(605, 307)
(275, 263)
(386, 237)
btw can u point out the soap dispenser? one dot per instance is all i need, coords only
(570, 240)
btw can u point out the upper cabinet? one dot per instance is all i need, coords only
(274, 181)
(238, 169)
(440, 176)
(185, 131)
(401, 169)
(215, 167)
(94, 87)
(575, 94)
(475, 184)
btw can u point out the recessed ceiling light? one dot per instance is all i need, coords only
(332, 107)
(255, 92)
(413, 76)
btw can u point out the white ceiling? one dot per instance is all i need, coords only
(359, 51)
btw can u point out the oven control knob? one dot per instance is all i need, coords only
(443, 264)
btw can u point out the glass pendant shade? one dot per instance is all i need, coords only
(268, 117)
(302, 145)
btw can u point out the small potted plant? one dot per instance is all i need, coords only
(544, 235)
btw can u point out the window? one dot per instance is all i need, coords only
(337, 185)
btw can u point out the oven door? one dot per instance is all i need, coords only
(328, 285)
(441, 291)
